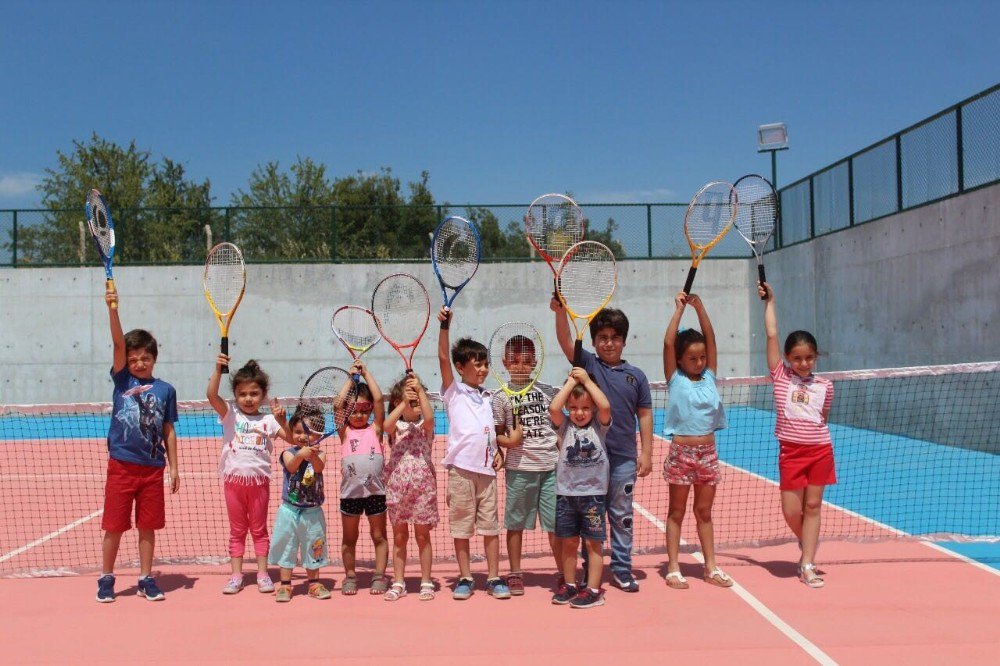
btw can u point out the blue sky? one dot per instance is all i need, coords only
(499, 101)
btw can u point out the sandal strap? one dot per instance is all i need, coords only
(677, 575)
(718, 572)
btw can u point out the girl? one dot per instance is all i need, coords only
(694, 413)
(361, 487)
(411, 484)
(805, 460)
(245, 464)
(300, 527)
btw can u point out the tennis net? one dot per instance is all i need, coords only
(917, 453)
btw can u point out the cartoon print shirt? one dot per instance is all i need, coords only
(583, 467)
(139, 408)
(800, 403)
(248, 444)
(304, 487)
(361, 463)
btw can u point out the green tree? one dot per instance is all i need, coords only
(498, 243)
(606, 236)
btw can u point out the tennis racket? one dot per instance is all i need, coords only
(554, 223)
(455, 253)
(401, 309)
(102, 229)
(585, 283)
(708, 219)
(355, 328)
(224, 280)
(516, 355)
(756, 216)
(331, 392)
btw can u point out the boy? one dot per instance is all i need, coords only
(141, 440)
(530, 467)
(581, 484)
(471, 459)
(627, 389)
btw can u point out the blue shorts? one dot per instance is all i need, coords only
(299, 536)
(580, 515)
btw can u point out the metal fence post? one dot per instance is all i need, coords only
(812, 210)
(850, 190)
(649, 231)
(960, 152)
(899, 172)
(333, 233)
(225, 229)
(13, 253)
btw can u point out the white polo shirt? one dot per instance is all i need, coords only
(471, 433)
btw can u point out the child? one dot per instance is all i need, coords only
(141, 440)
(582, 475)
(471, 458)
(300, 527)
(361, 487)
(411, 484)
(531, 457)
(628, 392)
(245, 464)
(694, 413)
(805, 461)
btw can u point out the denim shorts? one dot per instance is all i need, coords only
(580, 515)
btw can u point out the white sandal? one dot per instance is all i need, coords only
(675, 580)
(808, 575)
(718, 577)
(395, 591)
(426, 591)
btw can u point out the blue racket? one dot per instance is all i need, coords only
(102, 229)
(455, 254)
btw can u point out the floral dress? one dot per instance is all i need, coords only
(410, 480)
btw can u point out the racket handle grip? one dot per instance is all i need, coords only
(578, 354)
(110, 286)
(762, 279)
(690, 279)
(224, 348)
(409, 371)
(447, 321)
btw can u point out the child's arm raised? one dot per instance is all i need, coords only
(117, 336)
(379, 406)
(212, 392)
(559, 401)
(345, 391)
(563, 335)
(770, 326)
(711, 351)
(670, 336)
(444, 349)
(426, 408)
(596, 394)
(280, 416)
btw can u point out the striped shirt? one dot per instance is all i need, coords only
(800, 404)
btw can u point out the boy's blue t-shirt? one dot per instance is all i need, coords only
(627, 390)
(139, 409)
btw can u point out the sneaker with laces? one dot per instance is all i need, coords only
(234, 584)
(149, 589)
(106, 589)
(588, 598)
(497, 588)
(264, 583)
(284, 594)
(515, 583)
(626, 581)
(463, 590)
(565, 594)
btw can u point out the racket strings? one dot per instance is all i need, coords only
(758, 209)
(554, 224)
(710, 214)
(401, 308)
(329, 393)
(98, 221)
(456, 251)
(356, 327)
(587, 278)
(225, 276)
(516, 353)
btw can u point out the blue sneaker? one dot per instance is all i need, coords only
(497, 588)
(463, 590)
(626, 581)
(106, 589)
(149, 588)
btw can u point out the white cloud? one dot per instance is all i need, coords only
(658, 195)
(18, 184)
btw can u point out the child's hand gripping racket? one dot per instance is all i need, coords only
(516, 355)
(709, 217)
(224, 280)
(554, 223)
(455, 255)
(756, 217)
(102, 230)
(585, 283)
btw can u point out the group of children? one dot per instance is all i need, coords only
(571, 461)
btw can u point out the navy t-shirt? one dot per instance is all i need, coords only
(139, 409)
(627, 390)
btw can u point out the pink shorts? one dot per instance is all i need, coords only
(687, 465)
(804, 465)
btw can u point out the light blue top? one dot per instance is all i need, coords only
(693, 407)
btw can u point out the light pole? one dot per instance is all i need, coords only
(770, 139)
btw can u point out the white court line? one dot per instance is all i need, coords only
(49, 536)
(808, 646)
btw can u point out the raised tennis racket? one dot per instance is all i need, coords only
(355, 327)
(401, 309)
(708, 219)
(224, 279)
(102, 230)
(455, 254)
(516, 355)
(331, 392)
(585, 283)
(554, 223)
(756, 216)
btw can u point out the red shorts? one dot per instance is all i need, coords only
(804, 465)
(127, 482)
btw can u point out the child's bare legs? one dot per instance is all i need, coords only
(675, 517)
(400, 535)
(423, 535)
(109, 550)
(236, 564)
(377, 526)
(704, 496)
(462, 555)
(568, 547)
(595, 562)
(491, 544)
(312, 575)
(349, 544)
(801, 508)
(286, 576)
(515, 540)
(262, 563)
(147, 541)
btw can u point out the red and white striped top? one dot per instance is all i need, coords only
(800, 404)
